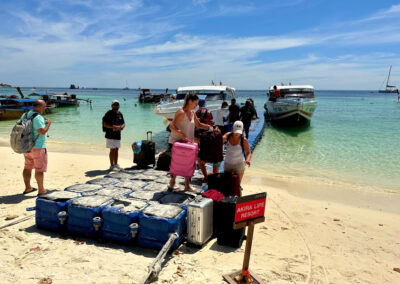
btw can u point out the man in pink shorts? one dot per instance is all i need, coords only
(37, 158)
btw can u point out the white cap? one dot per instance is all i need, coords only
(114, 101)
(237, 127)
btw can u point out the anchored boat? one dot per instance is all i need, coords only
(294, 106)
(389, 88)
(213, 96)
(12, 107)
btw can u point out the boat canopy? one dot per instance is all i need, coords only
(22, 100)
(290, 87)
(294, 91)
(209, 93)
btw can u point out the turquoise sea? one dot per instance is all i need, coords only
(353, 137)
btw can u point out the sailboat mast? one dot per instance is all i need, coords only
(387, 82)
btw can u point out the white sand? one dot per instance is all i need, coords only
(316, 233)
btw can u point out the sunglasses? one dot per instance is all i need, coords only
(116, 104)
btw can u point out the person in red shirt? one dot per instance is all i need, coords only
(277, 92)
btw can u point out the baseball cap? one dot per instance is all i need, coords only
(115, 102)
(237, 127)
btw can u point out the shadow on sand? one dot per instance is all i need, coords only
(16, 198)
(96, 173)
(150, 253)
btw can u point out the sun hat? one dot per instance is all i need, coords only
(115, 102)
(237, 127)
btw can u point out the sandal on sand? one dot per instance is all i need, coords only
(33, 190)
(175, 188)
(194, 190)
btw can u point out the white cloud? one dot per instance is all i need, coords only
(101, 49)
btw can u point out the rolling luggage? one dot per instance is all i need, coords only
(147, 154)
(225, 217)
(183, 161)
(211, 147)
(226, 183)
(163, 161)
(200, 220)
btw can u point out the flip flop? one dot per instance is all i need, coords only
(40, 194)
(176, 189)
(194, 190)
(33, 190)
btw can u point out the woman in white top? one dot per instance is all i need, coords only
(182, 129)
(220, 117)
(236, 145)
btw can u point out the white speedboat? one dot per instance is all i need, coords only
(213, 96)
(295, 105)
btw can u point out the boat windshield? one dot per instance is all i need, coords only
(208, 95)
(296, 92)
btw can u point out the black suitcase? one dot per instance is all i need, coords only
(147, 154)
(226, 183)
(164, 160)
(211, 146)
(225, 217)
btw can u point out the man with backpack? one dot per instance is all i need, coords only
(37, 157)
(113, 124)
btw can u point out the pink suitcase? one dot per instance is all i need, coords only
(183, 161)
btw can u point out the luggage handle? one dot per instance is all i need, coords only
(151, 135)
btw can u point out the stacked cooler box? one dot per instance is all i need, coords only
(157, 222)
(51, 210)
(121, 218)
(82, 213)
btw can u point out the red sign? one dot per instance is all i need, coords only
(250, 207)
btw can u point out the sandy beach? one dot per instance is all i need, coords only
(313, 233)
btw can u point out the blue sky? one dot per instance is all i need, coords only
(158, 44)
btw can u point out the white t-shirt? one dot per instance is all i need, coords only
(219, 117)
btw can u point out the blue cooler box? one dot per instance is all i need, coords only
(82, 213)
(157, 221)
(48, 208)
(120, 220)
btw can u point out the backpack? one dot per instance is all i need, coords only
(204, 116)
(21, 137)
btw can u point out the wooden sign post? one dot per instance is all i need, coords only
(249, 211)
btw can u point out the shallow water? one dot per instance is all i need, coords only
(353, 136)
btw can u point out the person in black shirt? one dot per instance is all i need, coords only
(113, 124)
(233, 111)
(246, 115)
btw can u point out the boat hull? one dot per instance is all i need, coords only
(12, 113)
(388, 91)
(291, 112)
(8, 113)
